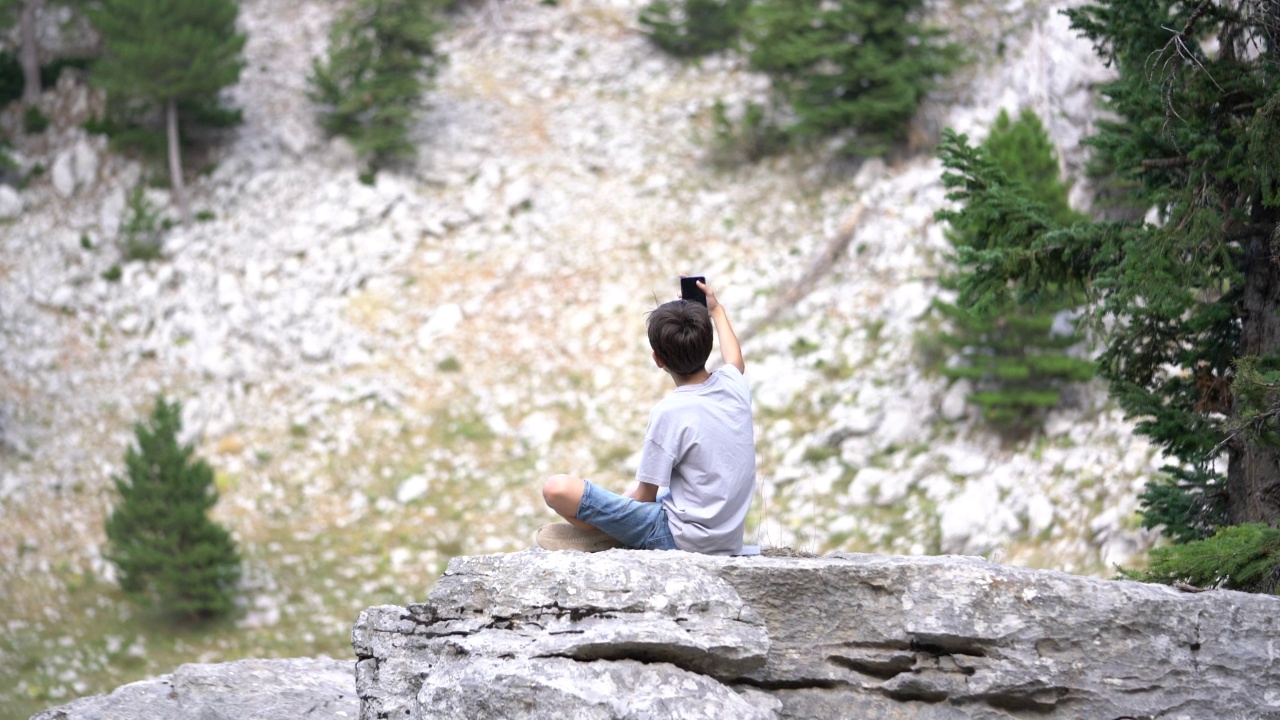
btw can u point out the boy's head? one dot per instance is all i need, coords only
(680, 335)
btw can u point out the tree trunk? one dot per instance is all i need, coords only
(175, 160)
(1253, 469)
(30, 55)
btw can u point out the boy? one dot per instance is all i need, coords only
(700, 448)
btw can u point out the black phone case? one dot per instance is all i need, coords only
(689, 289)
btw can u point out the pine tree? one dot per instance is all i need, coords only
(173, 55)
(382, 58)
(1018, 363)
(856, 67)
(1190, 304)
(1023, 150)
(160, 538)
(692, 28)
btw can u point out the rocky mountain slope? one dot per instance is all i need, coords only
(382, 375)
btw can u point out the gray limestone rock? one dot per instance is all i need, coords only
(63, 174)
(536, 606)
(556, 687)
(86, 162)
(11, 203)
(541, 634)
(310, 689)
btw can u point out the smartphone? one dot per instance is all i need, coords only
(689, 289)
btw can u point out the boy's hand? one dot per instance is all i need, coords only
(642, 492)
(712, 303)
(729, 348)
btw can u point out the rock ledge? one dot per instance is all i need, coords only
(627, 634)
(290, 689)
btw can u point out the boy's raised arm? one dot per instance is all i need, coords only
(729, 348)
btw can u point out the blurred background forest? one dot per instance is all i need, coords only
(301, 299)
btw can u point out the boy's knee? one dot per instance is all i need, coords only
(559, 488)
(554, 488)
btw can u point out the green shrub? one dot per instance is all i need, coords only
(753, 136)
(140, 231)
(692, 28)
(7, 163)
(34, 121)
(34, 172)
(100, 126)
(857, 69)
(168, 552)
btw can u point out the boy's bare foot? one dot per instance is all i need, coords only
(563, 536)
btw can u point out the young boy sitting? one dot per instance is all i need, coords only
(700, 448)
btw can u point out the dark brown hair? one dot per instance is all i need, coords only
(680, 333)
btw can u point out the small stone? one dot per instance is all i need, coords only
(11, 203)
(63, 174)
(314, 347)
(442, 322)
(411, 489)
(112, 212)
(965, 462)
(857, 421)
(1040, 514)
(63, 297)
(293, 136)
(518, 194)
(654, 184)
(538, 429)
(955, 403)
(229, 291)
(85, 160)
(871, 172)
(875, 482)
(900, 426)
(130, 323)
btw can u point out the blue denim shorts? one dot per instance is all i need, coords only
(638, 525)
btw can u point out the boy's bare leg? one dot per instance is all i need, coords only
(563, 493)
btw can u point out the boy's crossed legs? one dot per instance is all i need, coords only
(634, 524)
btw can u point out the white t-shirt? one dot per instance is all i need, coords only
(701, 445)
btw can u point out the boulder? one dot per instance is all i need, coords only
(11, 203)
(85, 160)
(297, 689)
(75, 168)
(632, 634)
(63, 174)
